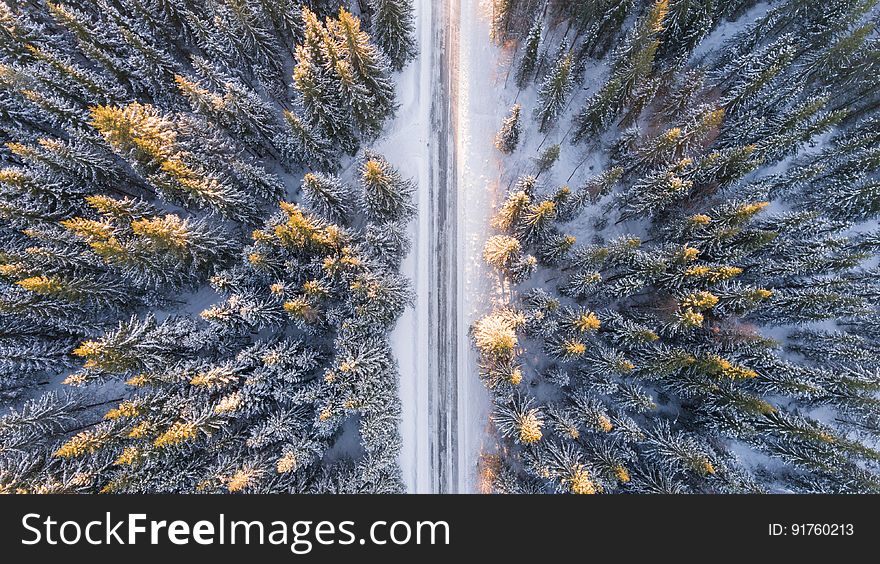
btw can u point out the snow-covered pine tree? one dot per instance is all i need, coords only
(317, 85)
(328, 197)
(507, 138)
(686, 24)
(304, 144)
(369, 70)
(633, 64)
(386, 194)
(547, 158)
(528, 62)
(393, 27)
(555, 89)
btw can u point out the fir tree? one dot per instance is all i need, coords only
(529, 61)
(633, 64)
(547, 158)
(555, 89)
(393, 27)
(328, 197)
(386, 195)
(304, 145)
(317, 86)
(507, 138)
(369, 69)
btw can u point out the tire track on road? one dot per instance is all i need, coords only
(443, 311)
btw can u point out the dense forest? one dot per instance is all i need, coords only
(695, 308)
(200, 254)
(202, 251)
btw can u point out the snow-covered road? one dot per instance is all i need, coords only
(442, 137)
(443, 344)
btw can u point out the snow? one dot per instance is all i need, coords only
(479, 116)
(728, 30)
(405, 144)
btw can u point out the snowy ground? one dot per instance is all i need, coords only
(406, 144)
(479, 116)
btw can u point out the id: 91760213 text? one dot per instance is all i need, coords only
(811, 529)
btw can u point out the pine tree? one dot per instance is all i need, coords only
(537, 222)
(507, 138)
(655, 192)
(136, 131)
(328, 197)
(502, 15)
(93, 41)
(386, 195)
(495, 334)
(593, 190)
(151, 250)
(369, 69)
(238, 108)
(502, 251)
(305, 145)
(151, 141)
(317, 86)
(547, 158)
(555, 89)
(61, 73)
(393, 26)
(529, 61)
(687, 23)
(512, 210)
(756, 72)
(247, 28)
(520, 420)
(633, 64)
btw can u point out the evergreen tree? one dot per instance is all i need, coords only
(369, 69)
(304, 144)
(687, 23)
(328, 197)
(633, 64)
(386, 195)
(547, 158)
(151, 141)
(555, 89)
(502, 15)
(529, 61)
(318, 88)
(507, 138)
(239, 109)
(393, 27)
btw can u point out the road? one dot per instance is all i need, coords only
(443, 314)
(442, 398)
(464, 173)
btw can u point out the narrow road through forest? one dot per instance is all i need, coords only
(443, 308)
(442, 398)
